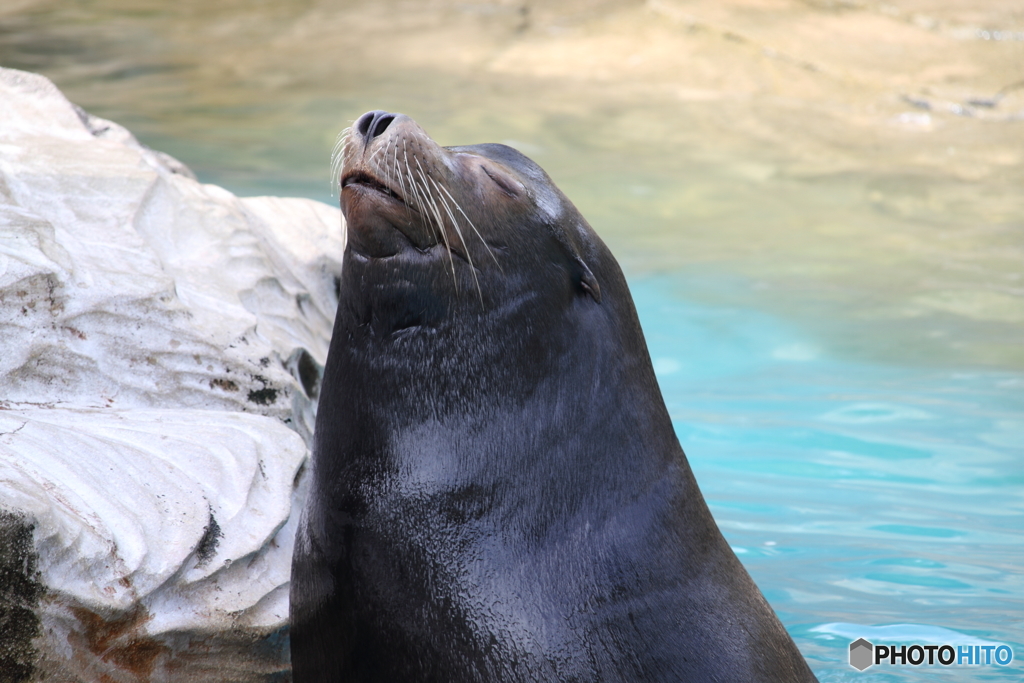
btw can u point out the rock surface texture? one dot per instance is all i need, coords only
(161, 344)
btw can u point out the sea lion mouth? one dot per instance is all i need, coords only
(366, 180)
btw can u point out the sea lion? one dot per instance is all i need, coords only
(497, 492)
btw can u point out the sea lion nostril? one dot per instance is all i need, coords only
(373, 123)
(381, 123)
(365, 121)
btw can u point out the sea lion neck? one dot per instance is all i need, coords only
(414, 310)
(432, 353)
(534, 271)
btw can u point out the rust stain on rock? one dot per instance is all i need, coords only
(119, 642)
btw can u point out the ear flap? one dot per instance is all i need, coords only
(588, 282)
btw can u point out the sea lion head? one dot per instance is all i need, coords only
(461, 220)
(470, 274)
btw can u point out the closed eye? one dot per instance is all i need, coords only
(505, 186)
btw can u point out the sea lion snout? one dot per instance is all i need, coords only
(373, 123)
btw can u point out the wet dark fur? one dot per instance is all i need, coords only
(497, 490)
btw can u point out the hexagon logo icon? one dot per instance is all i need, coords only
(861, 654)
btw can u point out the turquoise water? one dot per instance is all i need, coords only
(857, 495)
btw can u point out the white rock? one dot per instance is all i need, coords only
(124, 282)
(150, 521)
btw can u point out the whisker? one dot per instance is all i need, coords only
(406, 192)
(440, 223)
(339, 144)
(338, 158)
(482, 240)
(420, 204)
(433, 203)
(384, 163)
(375, 153)
(465, 246)
(398, 174)
(422, 208)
